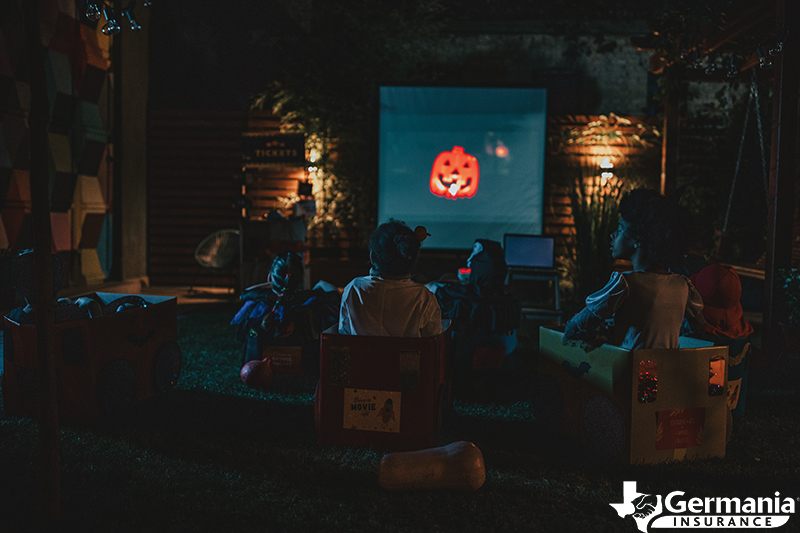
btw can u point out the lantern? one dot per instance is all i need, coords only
(455, 174)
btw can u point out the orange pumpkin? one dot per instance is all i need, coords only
(455, 174)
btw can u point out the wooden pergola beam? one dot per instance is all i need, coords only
(756, 15)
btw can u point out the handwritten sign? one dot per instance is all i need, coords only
(285, 359)
(372, 410)
(264, 150)
(680, 428)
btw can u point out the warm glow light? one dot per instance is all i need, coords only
(606, 163)
(501, 151)
(607, 175)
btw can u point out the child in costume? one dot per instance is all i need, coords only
(648, 303)
(726, 325)
(483, 315)
(387, 302)
(721, 290)
(280, 313)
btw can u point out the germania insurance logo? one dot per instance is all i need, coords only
(676, 511)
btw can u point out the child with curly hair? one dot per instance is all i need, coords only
(388, 303)
(648, 303)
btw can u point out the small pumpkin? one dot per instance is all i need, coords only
(455, 174)
(458, 466)
(257, 374)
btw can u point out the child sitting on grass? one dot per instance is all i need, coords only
(648, 303)
(388, 303)
(280, 313)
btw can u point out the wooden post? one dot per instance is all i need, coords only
(669, 146)
(117, 253)
(38, 119)
(783, 170)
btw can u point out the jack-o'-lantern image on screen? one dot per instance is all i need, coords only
(455, 174)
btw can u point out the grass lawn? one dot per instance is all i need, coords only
(214, 455)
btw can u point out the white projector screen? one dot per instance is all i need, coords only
(495, 187)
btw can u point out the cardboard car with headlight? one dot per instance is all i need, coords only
(103, 364)
(638, 406)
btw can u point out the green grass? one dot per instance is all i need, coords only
(214, 455)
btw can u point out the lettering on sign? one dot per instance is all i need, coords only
(372, 410)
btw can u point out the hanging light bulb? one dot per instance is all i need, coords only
(697, 64)
(778, 47)
(92, 12)
(129, 15)
(111, 28)
(711, 68)
(763, 60)
(732, 72)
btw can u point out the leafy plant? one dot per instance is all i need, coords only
(596, 172)
(331, 95)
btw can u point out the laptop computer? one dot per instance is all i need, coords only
(529, 252)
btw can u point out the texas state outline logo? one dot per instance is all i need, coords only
(676, 511)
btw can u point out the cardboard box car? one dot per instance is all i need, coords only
(619, 408)
(103, 364)
(382, 392)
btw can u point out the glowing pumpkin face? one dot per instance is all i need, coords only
(455, 174)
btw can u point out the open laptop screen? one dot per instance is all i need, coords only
(528, 251)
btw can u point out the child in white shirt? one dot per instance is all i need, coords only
(388, 303)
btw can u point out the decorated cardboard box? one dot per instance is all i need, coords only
(640, 406)
(382, 392)
(103, 364)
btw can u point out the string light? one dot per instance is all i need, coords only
(112, 27)
(765, 51)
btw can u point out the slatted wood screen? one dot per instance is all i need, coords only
(192, 159)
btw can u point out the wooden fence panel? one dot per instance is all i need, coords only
(192, 159)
